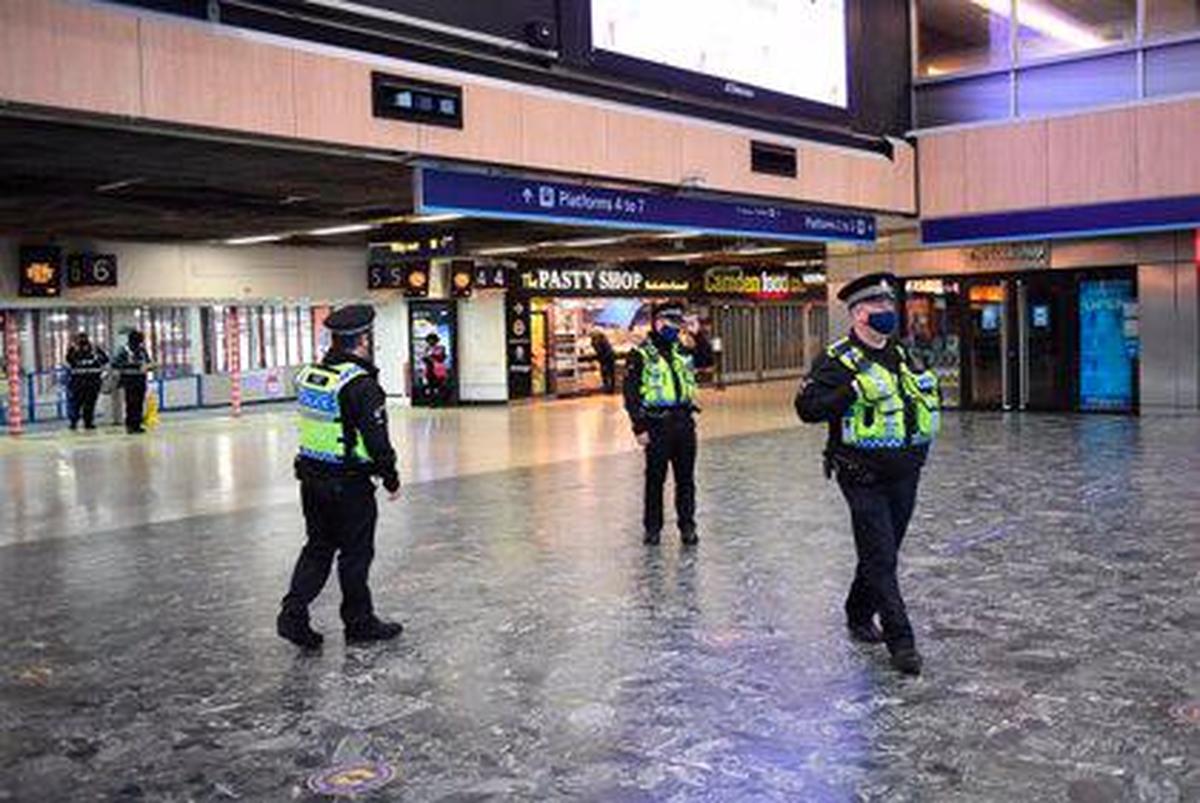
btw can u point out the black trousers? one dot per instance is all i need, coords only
(135, 400)
(339, 518)
(879, 513)
(672, 444)
(608, 375)
(81, 399)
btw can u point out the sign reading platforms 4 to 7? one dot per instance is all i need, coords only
(509, 198)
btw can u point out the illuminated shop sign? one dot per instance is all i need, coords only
(663, 280)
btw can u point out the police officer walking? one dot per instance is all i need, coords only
(882, 413)
(85, 363)
(133, 363)
(660, 397)
(343, 443)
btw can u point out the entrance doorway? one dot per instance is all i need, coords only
(1050, 341)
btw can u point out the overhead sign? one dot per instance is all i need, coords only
(414, 242)
(661, 280)
(41, 271)
(92, 270)
(411, 277)
(509, 198)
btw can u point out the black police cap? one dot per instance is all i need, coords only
(873, 285)
(350, 320)
(667, 308)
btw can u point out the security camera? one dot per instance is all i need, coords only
(540, 33)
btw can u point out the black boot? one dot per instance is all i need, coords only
(865, 632)
(373, 630)
(299, 632)
(907, 661)
(689, 536)
(651, 538)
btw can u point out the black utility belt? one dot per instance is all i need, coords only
(670, 412)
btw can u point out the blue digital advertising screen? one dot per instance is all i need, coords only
(1108, 344)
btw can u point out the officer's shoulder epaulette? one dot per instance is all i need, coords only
(839, 347)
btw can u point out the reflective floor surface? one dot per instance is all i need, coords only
(1052, 573)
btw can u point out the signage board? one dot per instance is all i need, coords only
(92, 270)
(514, 198)
(41, 271)
(650, 280)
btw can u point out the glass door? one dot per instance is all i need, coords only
(986, 346)
(1045, 345)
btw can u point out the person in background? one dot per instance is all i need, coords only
(435, 369)
(85, 363)
(660, 397)
(607, 359)
(133, 364)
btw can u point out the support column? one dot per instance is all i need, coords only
(233, 358)
(16, 383)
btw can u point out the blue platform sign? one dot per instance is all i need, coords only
(510, 198)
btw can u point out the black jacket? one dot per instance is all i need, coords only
(634, 363)
(86, 362)
(826, 395)
(364, 410)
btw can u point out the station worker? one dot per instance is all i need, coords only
(85, 364)
(660, 397)
(133, 365)
(882, 412)
(344, 444)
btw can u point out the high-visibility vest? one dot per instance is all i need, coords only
(322, 436)
(885, 423)
(658, 390)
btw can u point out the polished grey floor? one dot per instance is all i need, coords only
(1052, 572)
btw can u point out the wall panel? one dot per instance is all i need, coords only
(1091, 158)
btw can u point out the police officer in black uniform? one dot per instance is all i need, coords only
(85, 363)
(343, 444)
(660, 397)
(133, 363)
(882, 413)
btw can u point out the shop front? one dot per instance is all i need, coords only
(571, 325)
(1092, 325)
(1051, 341)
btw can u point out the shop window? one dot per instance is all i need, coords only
(954, 36)
(1172, 18)
(268, 337)
(167, 338)
(1047, 28)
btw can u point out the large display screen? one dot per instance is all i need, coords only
(1108, 344)
(794, 48)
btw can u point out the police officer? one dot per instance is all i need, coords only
(133, 364)
(882, 412)
(660, 397)
(343, 443)
(85, 362)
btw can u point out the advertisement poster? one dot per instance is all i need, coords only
(432, 334)
(1108, 343)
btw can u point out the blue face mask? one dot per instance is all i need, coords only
(883, 322)
(669, 333)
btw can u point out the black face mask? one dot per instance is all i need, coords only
(884, 323)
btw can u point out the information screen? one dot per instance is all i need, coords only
(795, 48)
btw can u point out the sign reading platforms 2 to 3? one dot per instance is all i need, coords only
(513, 198)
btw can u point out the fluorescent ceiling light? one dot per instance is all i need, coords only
(349, 228)
(804, 263)
(678, 235)
(511, 249)
(749, 252)
(261, 238)
(680, 257)
(1045, 21)
(433, 218)
(592, 242)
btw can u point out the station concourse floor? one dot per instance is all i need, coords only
(1052, 573)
